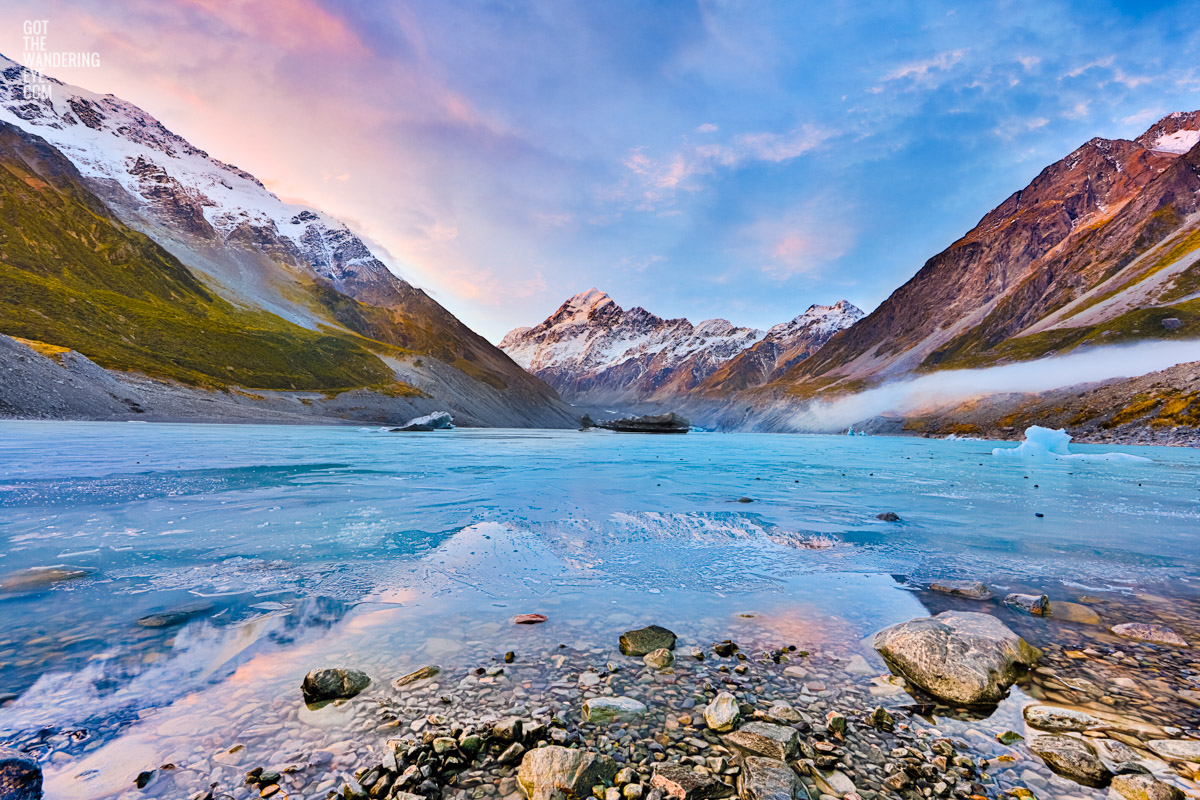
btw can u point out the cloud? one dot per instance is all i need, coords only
(708, 127)
(922, 71)
(799, 242)
(655, 181)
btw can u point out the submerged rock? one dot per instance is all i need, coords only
(975, 590)
(332, 684)
(174, 616)
(36, 578)
(551, 772)
(1145, 787)
(1037, 605)
(659, 659)
(722, 713)
(1050, 718)
(607, 710)
(888, 516)
(529, 619)
(1072, 758)
(767, 779)
(20, 776)
(643, 640)
(421, 674)
(1073, 612)
(1145, 632)
(765, 739)
(681, 782)
(960, 657)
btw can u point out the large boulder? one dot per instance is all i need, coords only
(646, 640)
(958, 656)
(20, 776)
(1072, 758)
(334, 683)
(974, 590)
(765, 739)
(768, 779)
(556, 773)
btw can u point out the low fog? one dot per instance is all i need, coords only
(951, 387)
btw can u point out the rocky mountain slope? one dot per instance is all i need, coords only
(251, 252)
(592, 350)
(1101, 247)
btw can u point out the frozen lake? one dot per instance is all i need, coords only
(266, 551)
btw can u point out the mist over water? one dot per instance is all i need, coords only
(948, 388)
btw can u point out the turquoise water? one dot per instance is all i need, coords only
(284, 548)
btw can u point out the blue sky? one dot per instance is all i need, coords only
(741, 160)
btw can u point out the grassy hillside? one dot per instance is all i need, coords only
(71, 275)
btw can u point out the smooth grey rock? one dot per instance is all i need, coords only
(20, 776)
(960, 657)
(832, 782)
(659, 659)
(334, 683)
(681, 782)
(607, 710)
(552, 772)
(643, 640)
(1051, 718)
(765, 739)
(1072, 758)
(1155, 634)
(768, 779)
(722, 713)
(1172, 323)
(784, 714)
(1145, 787)
(1037, 605)
(974, 590)
(1176, 749)
(175, 616)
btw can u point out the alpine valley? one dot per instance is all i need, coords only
(1100, 249)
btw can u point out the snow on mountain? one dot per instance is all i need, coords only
(591, 348)
(112, 141)
(1176, 133)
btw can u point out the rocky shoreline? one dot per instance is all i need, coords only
(653, 717)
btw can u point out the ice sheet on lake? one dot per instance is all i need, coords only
(1046, 444)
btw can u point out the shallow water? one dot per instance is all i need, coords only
(288, 548)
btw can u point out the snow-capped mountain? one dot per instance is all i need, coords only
(257, 251)
(784, 346)
(592, 349)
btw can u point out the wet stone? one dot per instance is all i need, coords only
(767, 779)
(20, 776)
(1072, 758)
(332, 684)
(1050, 718)
(765, 739)
(722, 713)
(644, 640)
(424, 673)
(1176, 749)
(681, 782)
(1145, 787)
(974, 590)
(609, 710)
(1037, 605)
(1144, 632)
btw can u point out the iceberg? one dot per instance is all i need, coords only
(1046, 444)
(438, 420)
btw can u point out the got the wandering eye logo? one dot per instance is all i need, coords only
(39, 58)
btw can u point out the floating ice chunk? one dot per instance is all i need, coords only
(1045, 444)
(438, 420)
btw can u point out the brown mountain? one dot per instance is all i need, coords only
(1100, 246)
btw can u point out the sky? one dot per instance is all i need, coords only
(740, 160)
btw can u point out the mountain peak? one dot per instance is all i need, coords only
(1177, 132)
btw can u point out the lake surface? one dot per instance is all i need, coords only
(267, 551)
